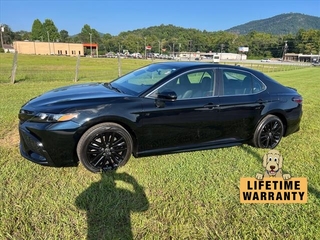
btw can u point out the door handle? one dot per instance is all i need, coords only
(210, 106)
(261, 101)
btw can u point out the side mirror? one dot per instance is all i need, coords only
(167, 95)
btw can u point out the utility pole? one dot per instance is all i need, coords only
(173, 49)
(145, 48)
(90, 44)
(54, 51)
(190, 47)
(49, 42)
(284, 50)
(221, 48)
(1, 31)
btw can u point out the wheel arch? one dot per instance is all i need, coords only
(278, 113)
(126, 124)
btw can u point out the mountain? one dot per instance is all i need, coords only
(287, 23)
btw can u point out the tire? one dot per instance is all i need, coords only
(103, 147)
(268, 133)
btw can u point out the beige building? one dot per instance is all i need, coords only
(53, 48)
(301, 57)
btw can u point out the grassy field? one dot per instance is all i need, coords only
(181, 196)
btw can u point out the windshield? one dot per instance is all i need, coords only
(142, 79)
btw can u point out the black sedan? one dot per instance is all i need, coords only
(162, 108)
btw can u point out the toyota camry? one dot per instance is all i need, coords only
(162, 108)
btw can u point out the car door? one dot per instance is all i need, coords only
(241, 100)
(188, 121)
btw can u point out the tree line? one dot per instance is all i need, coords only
(170, 38)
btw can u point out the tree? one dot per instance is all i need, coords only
(96, 38)
(308, 41)
(64, 36)
(7, 34)
(86, 31)
(21, 36)
(176, 39)
(84, 36)
(37, 32)
(51, 30)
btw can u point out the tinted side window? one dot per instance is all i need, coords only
(194, 84)
(240, 83)
(257, 85)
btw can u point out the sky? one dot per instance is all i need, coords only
(116, 16)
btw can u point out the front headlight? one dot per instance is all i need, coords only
(50, 117)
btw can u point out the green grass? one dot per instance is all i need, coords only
(181, 196)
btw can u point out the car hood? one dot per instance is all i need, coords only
(72, 96)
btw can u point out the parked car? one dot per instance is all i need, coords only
(265, 60)
(162, 108)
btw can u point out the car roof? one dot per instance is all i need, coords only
(185, 65)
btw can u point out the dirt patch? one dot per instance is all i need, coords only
(11, 139)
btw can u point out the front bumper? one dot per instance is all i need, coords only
(32, 149)
(49, 144)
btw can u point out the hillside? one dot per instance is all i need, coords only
(288, 23)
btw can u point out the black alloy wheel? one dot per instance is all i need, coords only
(268, 133)
(104, 147)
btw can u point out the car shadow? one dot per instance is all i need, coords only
(248, 150)
(313, 191)
(109, 207)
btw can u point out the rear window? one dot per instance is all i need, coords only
(240, 83)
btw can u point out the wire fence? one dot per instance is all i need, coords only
(55, 68)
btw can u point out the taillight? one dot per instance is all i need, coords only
(297, 99)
